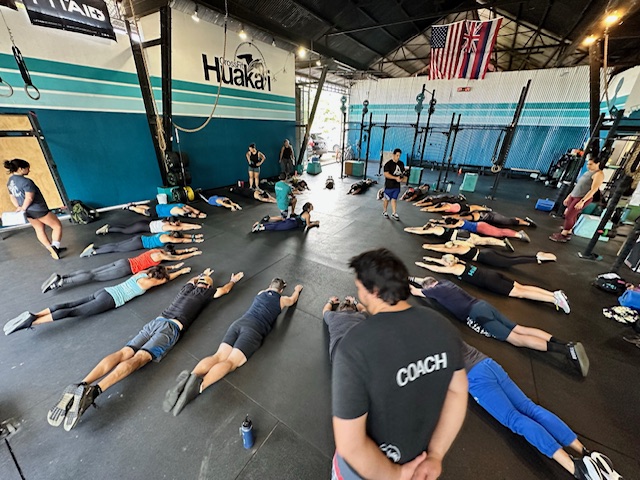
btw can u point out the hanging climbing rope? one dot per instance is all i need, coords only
(215, 105)
(30, 89)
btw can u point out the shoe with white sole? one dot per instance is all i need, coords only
(605, 465)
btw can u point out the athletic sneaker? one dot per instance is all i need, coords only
(83, 397)
(522, 235)
(395, 216)
(586, 469)
(605, 465)
(22, 321)
(51, 283)
(103, 230)
(89, 251)
(257, 227)
(413, 281)
(173, 393)
(54, 252)
(559, 237)
(508, 245)
(191, 391)
(385, 215)
(56, 415)
(532, 224)
(562, 301)
(578, 357)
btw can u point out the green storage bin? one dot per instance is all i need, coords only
(469, 182)
(415, 176)
(314, 168)
(357, 169)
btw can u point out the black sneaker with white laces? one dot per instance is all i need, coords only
(532, 224)
(83, 397)
(414, 281)
(586, 469)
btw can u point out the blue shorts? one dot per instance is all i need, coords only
(391, 193)
(254, 169)
(157, 337)
(488, 321)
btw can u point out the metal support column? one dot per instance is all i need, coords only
(312, 114)
(366, 157)
(432, 109)
(456, 129)
(165, 57)
(418, 109)
(384, 135)
(344, 132)
(508, 140)
(595, 65)
(147, 99)
(446, 150)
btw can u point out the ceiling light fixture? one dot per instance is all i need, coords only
(302, 52)
(589, 40)
(611, 19)
(318, 63)
(242, 34)
(195, 16)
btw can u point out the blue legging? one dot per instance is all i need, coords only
(494, 391)
(288, 224)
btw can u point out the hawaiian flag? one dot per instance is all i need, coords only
(446, 43)
(478, 40)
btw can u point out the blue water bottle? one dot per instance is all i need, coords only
(247, 433)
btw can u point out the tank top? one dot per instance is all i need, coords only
(254, 159)
(125, 291)
(583, 185)
(470, 226)
(156, 226)
(142, 262)
(164, 209)
(264, 310)
(470, 255)
(287, 153)
(152, 241)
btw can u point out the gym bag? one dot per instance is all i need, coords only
(610, 283)
(81, 213)
(631, 299)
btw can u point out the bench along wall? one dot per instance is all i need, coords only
(555, 117)
(92, 114)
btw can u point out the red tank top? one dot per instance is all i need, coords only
(143, 262)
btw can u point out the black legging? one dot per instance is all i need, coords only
(141, 226)
(496, 259)
(99, 302)
(130, 245)
(497, 220)
(118, 269)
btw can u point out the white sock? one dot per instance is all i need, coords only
(55, 244)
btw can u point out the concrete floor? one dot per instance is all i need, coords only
(286, 385)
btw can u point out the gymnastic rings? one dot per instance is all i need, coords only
(2, 82)
(496, 168)
(26, 77)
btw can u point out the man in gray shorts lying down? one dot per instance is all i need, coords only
(243, 338)
(153, 342)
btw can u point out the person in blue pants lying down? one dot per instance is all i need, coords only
(294, 222)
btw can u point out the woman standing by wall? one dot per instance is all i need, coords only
(581, 196)
(286, 158)
(255, 159)
(26, 197)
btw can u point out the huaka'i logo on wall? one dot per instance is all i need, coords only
(247, 68)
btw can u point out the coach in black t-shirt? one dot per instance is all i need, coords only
(399, 386)
(393, 175)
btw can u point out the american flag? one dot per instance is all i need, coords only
(478, 40)
(445, 50)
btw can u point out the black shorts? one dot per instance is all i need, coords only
(37, 213)
(243, 337)
(157, 337)
(488, 321)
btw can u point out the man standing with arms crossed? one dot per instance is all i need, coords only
(399, 388)
(393, 175)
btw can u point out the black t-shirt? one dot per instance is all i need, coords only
(395, 169)
(397, 368)
(339, 324)
(188, 304)
(263, 312)
(287, 153)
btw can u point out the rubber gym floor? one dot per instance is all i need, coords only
(285, 387)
